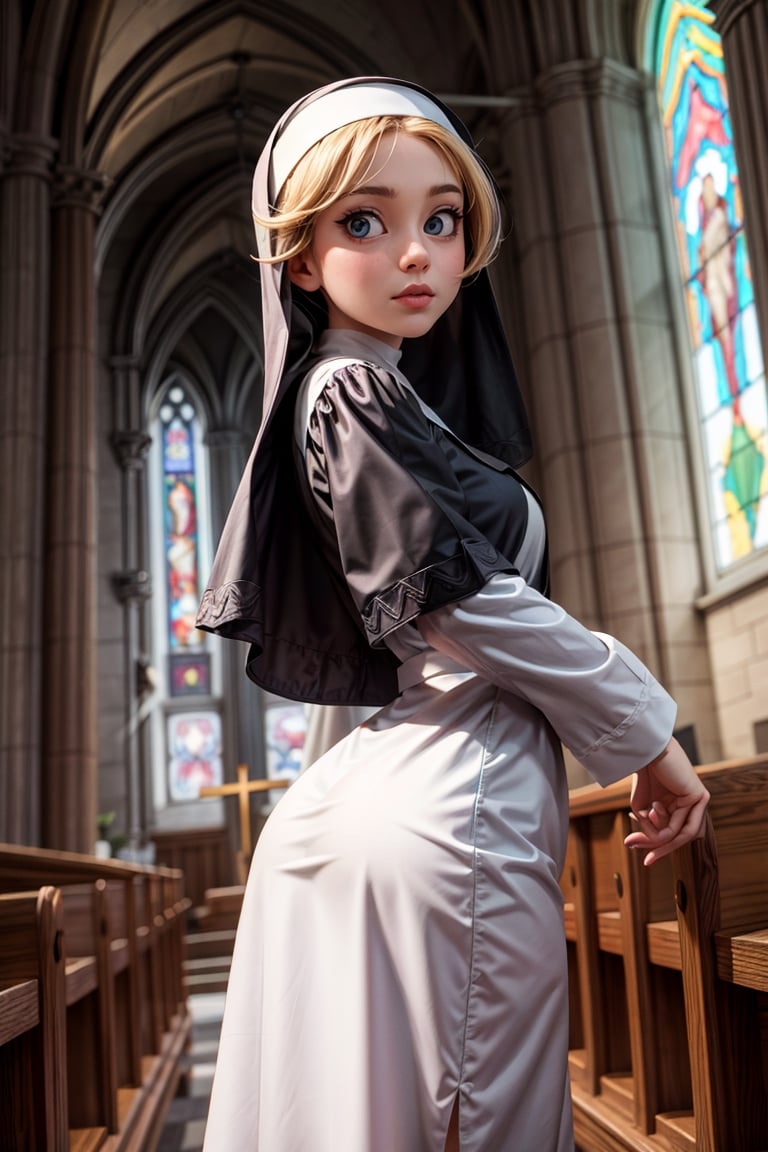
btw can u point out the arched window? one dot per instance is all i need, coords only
(686, 55)
(186, 725)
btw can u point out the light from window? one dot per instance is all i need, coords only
(713, 255)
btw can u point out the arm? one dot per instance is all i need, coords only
(602, 701)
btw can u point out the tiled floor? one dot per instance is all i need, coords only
(185, 1123)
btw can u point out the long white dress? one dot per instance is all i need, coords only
(401, 943)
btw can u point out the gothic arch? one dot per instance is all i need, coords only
(165, 245)
(200, 294)
(311, 34)
(191, 141)
(43, 45)
(87, 35)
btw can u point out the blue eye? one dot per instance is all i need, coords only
(361, 225)
(443, 223)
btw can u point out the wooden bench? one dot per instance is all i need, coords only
(668, 974)
(33, 1089)
(722, 904)
(97, 971)
(127, 1020)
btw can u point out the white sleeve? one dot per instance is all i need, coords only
(602, 701)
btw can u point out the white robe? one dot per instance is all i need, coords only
(401, 940)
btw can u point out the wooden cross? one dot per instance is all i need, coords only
(242, 789)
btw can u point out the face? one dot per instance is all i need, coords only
(389, 255)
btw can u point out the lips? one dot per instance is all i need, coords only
(416, 297)
(418, 291)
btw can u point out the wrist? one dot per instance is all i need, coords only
(661, 756)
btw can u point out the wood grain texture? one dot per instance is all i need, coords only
(743, 958)
(94, 1014)
(19, 1011)
(671, 966)
(36, 1102)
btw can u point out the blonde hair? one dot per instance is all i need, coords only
(340, 162)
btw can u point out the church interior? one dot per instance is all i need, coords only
(137, 762)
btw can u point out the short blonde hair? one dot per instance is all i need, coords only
(340, 161)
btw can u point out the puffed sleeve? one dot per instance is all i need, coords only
(387, 483)
(601, 700)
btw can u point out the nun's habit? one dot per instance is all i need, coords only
(401, 947)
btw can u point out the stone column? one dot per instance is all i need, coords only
(70, 779)
(606, 392)
(24, 296)
(132, 588)
(131, 585)
(743, 27)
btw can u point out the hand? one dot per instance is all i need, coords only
(668, 804)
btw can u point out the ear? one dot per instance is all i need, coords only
(303, 272)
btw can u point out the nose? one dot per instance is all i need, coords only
(414, 255)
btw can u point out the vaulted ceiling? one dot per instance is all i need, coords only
(165, 105)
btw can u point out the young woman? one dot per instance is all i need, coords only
(399, 980)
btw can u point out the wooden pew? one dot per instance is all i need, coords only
(94, 959)
(668, 974)
(33, 1090)
(82, 1004)
(169, 908)
(126, 1011)
(722, 901)
(22, 868)
(153, 923)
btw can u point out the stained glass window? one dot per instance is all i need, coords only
(285, 731)
(688, 63)
(186, 727)
(177, 417)
(194, 753)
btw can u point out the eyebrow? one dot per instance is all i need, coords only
(390, 193)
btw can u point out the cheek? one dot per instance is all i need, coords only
(349, 268)
(454, 261)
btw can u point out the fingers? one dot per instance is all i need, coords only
(652, 822)
(662, 830)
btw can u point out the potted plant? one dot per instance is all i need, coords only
(104, 822)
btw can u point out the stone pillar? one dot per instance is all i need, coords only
(70, 779)
(606, 393)
(24, 296)
(132, 588)
(132, 585)
(743, 27)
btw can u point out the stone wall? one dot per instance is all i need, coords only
(738, 644)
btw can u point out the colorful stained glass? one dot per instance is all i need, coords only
(177, 418)
(189, 673)
(285, 730)
(194, 753)
(693, 97)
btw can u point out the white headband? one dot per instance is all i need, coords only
(344, 106)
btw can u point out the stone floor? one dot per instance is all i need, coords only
(185, 1122)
